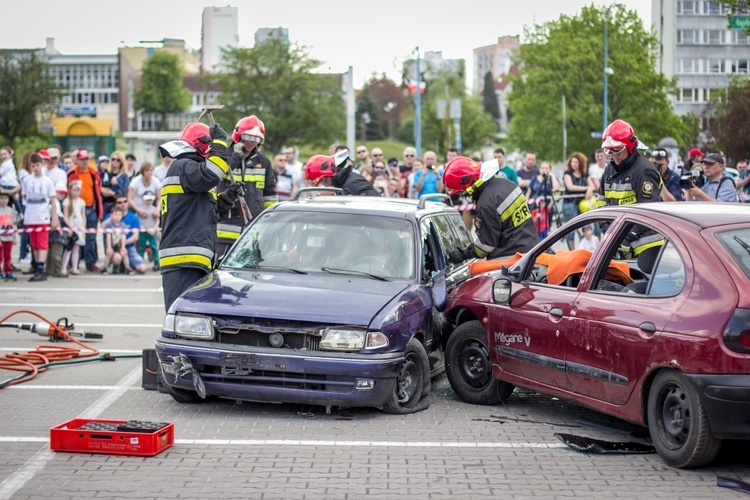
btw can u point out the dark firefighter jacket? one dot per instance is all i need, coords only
(188, 207)
(259, 183)
(503, 221)
(353, 183)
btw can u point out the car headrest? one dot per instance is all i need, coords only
(647, 259)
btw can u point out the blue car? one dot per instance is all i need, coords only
(332, 300)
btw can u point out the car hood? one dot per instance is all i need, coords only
(334, 299)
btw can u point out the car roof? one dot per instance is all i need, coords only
(389, 207)
(702, 214)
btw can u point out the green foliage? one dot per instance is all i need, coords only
(161, 90)
(368, 117)
(730, 125)
(26, 90)
(692, 126)
(388, 96)
(565, 57)
(489, 97)
(34, 143)
(438, 135)
(275, 82)
(740, 8)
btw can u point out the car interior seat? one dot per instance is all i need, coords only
(645, 262)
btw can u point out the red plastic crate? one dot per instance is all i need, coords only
(68, 437)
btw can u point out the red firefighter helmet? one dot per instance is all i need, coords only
(460, 173)
(619, 133)
(198, 136)
(319, 166)
(249, 128)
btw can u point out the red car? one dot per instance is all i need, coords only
(653, 327)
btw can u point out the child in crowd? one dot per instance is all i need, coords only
(40, 215)
(74, 209)
(58, 239)
(149, 224)
(540, 216)
(589, 241)
(115, 251)
(8, 236)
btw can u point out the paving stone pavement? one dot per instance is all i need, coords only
(229, 450)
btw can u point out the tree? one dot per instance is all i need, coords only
(737, 8)
(564, 58)
(275, 81)
(391, 101)
(476, 125)
(368, 117)
(730, 124)
(161, 90)
(489, 97)
(27, 90)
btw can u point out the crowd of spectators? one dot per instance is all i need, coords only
(53, 205)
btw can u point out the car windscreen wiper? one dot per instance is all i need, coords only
(280, 268)
(334, 270)
(742, 243)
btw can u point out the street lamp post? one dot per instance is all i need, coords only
(418, 110)
(607, 70)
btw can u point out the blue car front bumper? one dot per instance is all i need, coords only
(295, 376)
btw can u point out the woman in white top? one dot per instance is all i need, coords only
(139, 185)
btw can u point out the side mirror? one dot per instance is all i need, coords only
(501, 291)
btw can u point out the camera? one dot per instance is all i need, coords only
(431, 167)
(544, 176)
(692, 178)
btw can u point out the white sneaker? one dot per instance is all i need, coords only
(27, 260)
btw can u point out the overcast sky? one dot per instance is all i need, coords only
(374, 36)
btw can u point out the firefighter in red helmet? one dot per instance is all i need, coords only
(503, 221)
(189, 210)
(336, 171)
(628, 177)
(253, 171)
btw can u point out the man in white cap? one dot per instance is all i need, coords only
(52, 168)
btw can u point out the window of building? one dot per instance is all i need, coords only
(717, 66)
(687, 7)
(740, 66)
(688, 66)
(687, 37)
(712, 8)
(742, 37)
(714, 37)
(687, 95)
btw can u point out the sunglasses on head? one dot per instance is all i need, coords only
(659, 154)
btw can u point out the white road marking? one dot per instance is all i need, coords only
(86, 306)
(35, 464)
(111, 351)
(81, 289)
(69, 387)
(358, 444)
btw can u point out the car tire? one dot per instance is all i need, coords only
(412, 391)
(183, 396)
(469, 368)
(678, 423)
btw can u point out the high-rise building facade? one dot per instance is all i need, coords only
(698, 48)
(220, 29)
(497, 59)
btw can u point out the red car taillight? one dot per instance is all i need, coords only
(737, 332)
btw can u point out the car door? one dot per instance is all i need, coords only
(527, 336)
(614, 328)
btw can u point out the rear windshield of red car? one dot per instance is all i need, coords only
(737, 245)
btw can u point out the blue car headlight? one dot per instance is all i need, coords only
(192, 326)
(351, 339)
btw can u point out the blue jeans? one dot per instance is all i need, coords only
(89, 249)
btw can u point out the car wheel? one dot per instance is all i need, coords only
(412, 392)
(181, 395)
(469, 368)
(678, 423)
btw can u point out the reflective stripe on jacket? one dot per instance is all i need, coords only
(188, 211)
